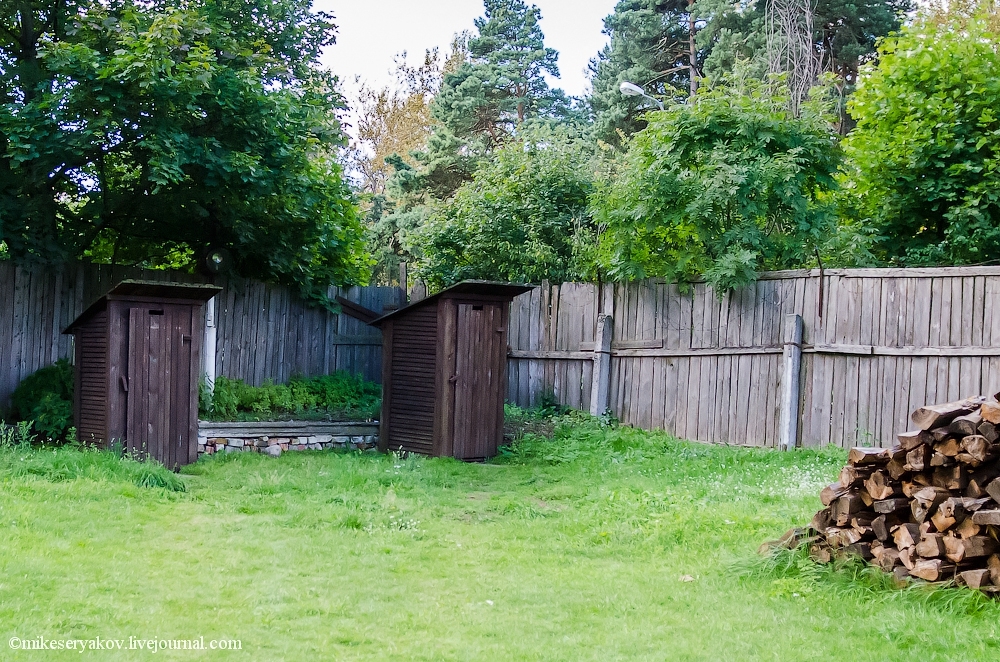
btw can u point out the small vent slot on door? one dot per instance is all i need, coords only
(156, 312)
(477, 307)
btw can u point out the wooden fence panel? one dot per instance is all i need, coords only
(877, 344)
(265, 332)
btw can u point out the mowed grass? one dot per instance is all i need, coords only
(600, 544)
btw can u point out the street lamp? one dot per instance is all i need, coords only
(633, 90)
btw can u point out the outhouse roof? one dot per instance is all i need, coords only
(466, 288)
(149, 289)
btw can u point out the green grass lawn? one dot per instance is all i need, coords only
(601, 544)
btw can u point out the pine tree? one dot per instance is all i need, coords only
(503, 81)
(651, 45)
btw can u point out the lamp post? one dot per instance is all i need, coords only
(633, 90)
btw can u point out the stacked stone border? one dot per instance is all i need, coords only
(276, 437)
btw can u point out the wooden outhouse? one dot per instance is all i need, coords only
(444, 371)
(138, 363)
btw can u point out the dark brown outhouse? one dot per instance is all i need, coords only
(444, 371)
(138, 362)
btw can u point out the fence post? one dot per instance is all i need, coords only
(790, 383)
(600, 386)
(211, 342)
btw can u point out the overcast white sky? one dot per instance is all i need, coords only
(372, 32)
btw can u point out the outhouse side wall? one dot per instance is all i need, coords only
(411, 349)
(91, 392)
(118, 313)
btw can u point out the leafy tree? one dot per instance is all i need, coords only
(925, 156)
(493, 86)
(847, 32)
(523, 218)
(141, 133)
(395, 120)
(722, 187)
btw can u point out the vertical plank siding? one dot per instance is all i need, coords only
(265, 332)
(877, 344)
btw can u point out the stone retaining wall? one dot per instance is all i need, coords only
(276, 437)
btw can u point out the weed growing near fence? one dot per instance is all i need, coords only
(69, 463)
(599, 543)
(340, 395)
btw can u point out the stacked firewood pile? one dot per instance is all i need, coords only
(929, 507)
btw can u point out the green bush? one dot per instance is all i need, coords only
(340, 395)
(46, 398)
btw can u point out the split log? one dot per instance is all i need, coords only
(967, 528)
(966, 458)
(975, 578)
(883, 526)
(888, 558)
(907, 556)
(977, 446)
(930, 496)
(962, 426)
(820, 553)
(906, 535)
(897, 467)
(959, 507)
(842, 509)
(989, 430)
(831, 493)
(864, 456)
(915, 483)
(853, 476)
(941, 460)
(940, 434)
(958, 549)
(910, 440)
(862, 549)
(821, 520)
(931, 545)
(935, 416)
(993, 563)
(993, 489)
(984, 517)
(990, 412)
(941, 521)
(980, 478)
(880, 486)
(950, 478)
(918, 458)
(838, 537)
(932, 570)
(862, 522)
(949, 447)
(886, 506)
(900, 575)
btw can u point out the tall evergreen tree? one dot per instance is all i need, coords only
(651, 45)
(503, 81)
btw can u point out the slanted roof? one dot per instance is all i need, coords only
(149, 289)
(465, 288)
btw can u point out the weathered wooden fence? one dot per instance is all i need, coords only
(264, 331)
(877, 343)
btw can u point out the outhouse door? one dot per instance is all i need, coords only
(480, 376)
(159, 382)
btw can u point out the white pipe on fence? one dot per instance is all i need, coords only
(789, 431)
(211, 341)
